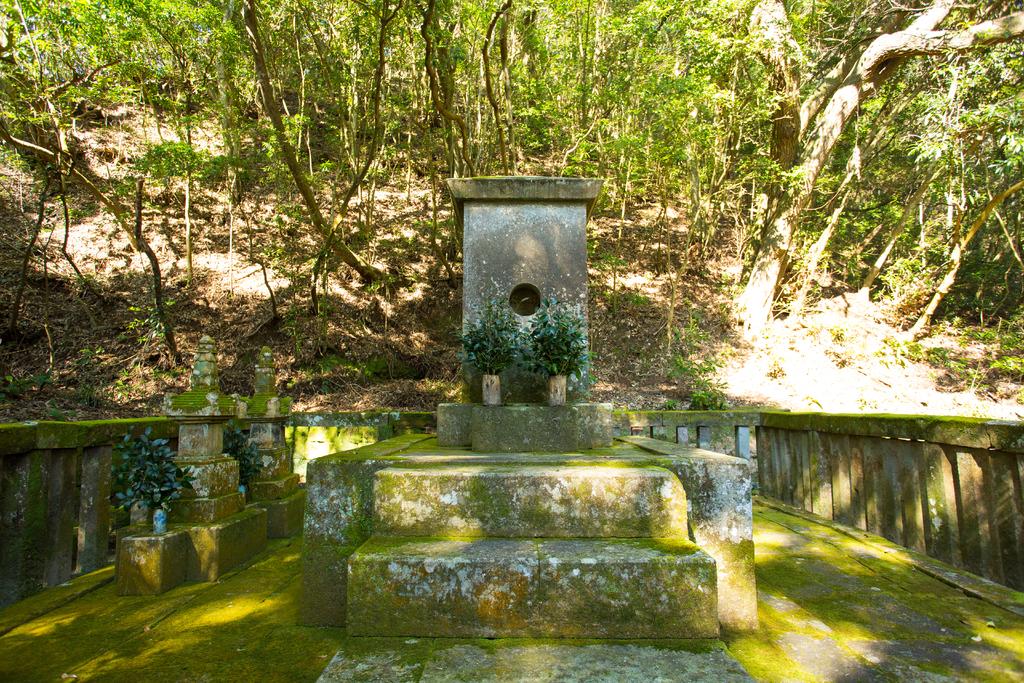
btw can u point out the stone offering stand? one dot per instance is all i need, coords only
(527, 520)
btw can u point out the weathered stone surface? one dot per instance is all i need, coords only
(719, 491)
(532, 428)
(211, 476)
(453, 424)
(523, 231)
(219, 546)
(591, 663)
(273, 489)
(429, 661)
(552, 588)
(94, 509)
(206, 510)
(150, 565)
(284, 515)
(529, 501)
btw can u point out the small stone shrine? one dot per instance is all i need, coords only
(276, 487)
(528, 520)
(211, 528)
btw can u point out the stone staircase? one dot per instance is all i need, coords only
(558, 551)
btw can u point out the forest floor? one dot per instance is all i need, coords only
(91, 348)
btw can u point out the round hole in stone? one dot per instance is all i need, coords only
(524, 299)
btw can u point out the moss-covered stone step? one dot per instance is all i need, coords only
(542, 501)
(556, 588)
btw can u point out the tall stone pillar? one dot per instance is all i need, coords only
(275, 488)
(211, 529)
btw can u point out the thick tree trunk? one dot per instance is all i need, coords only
(879, 60)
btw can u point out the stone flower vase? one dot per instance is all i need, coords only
(492, 390)
(556, 390)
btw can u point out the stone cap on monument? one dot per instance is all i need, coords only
(523, 189)
(204, 400)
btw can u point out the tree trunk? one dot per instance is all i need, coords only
(154, 264)
(956, 258)
(367, 271)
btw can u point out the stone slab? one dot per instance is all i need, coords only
(540, 428)
(149, 564)
(523, 231)
(206, 510)
(512, 661)
(608, 588)
(273, 489)
(284, 515)
(223, 545)
(584, 501)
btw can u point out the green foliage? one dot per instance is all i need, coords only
(146, 474)
(12, 387)
(238, 446)
(556, 344)
(696, 374)
(493, 341)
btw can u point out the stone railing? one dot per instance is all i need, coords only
(55, 517)
(722, 431)
(948, 487)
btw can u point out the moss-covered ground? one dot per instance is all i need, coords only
(833, 607)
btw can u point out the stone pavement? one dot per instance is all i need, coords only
(835, 605)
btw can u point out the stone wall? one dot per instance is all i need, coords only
(55, 516)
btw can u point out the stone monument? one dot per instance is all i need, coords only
(528, 520)
(276, 487)
(211, 528)
(524, 240)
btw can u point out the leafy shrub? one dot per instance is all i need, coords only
(556, 343)
(696, 375)
(237, 445)
(146, 474)
(493, 341)
(12, 387)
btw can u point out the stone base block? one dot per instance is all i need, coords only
(206, 510)
(584, 501)
(219, 546)
(453, 423)
(284, 515)
(273, 489)
(492, 588)
(149, 565)
(532, 428)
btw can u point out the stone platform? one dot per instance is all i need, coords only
(406, 537)
(836, 604)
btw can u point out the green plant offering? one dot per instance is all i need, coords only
(556, 343)
(492, 342)
(146, 474)
(238, 446)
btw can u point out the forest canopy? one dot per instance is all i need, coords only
(824, 146)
